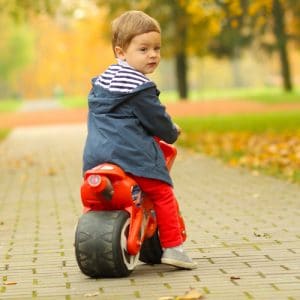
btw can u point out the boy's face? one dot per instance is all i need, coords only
(143, 52)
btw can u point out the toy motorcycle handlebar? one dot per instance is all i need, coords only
(169, 151)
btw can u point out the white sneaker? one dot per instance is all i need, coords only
(179, 259)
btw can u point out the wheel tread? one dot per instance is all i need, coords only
(96, 239)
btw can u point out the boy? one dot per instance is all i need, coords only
(124, 116)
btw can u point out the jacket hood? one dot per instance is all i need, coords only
(116, 85)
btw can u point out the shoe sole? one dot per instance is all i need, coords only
(179, 264)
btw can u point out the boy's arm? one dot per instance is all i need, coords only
(153, 116)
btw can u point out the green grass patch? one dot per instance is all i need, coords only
(3, 133)
(74, 101)
(9, 105)
(264, 95)
(276, 121)
(270, 95)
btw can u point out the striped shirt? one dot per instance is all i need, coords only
(121, 78)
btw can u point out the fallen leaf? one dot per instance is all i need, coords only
(51, 172)
(9, 283)
(91, 294)
(193, 294)
(273, 153)
(265, 235)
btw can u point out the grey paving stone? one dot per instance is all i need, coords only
(243, 230)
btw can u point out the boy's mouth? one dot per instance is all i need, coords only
(153, 64)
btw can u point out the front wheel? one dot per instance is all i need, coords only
(101, 244)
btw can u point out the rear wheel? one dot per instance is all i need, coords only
(151, 251)
(101, 244)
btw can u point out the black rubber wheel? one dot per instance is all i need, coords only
(101, 242)
(151, 250)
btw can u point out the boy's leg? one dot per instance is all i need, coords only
(166, 209)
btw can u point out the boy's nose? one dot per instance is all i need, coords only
(153, 53)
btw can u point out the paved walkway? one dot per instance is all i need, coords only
(47, 105)
(244, 230)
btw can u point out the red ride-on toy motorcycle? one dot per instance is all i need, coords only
(118, 226)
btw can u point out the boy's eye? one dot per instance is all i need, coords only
(143, 49)
(157, 48)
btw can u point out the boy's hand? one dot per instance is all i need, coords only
(177, 128)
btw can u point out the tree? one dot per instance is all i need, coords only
(16, 43)
(275, 13)
(41, 54)
(279, 28)
(186, 24)
(15, 52)
(246, 22)
(234, 35)
(70, 53)
(21, 9)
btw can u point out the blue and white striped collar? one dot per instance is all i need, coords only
(121, 78)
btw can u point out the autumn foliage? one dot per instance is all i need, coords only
(274, 153)
(68, 53)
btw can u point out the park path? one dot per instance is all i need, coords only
(243, 230)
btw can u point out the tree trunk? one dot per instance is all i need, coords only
(281, 37)
(181, 75)
(181, 21)
(235, 67)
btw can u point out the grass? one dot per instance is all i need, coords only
(74, 102)
(276, 121)
(271, 96)
(9, 105)
(3, 133)
(267, 143)
(265, 95)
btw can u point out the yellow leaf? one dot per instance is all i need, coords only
(9, 283)
(51, 172)
(193, 294)
(91, 294)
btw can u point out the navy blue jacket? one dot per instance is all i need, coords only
(124, 116)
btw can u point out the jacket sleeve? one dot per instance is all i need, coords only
(153, 116)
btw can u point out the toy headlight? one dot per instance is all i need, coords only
(94, 180)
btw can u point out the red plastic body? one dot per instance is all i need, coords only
(142, 217)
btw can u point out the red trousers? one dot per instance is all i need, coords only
(166, 209)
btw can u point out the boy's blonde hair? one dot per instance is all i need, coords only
(129, 25)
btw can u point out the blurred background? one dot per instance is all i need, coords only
(52, 48)
(232, 66)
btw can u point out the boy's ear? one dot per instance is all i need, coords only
(120, 52)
